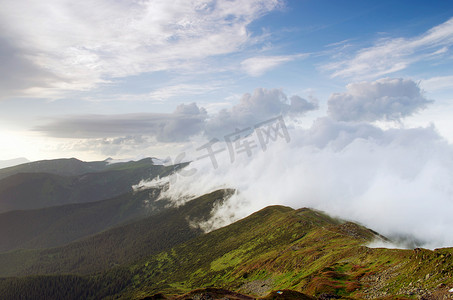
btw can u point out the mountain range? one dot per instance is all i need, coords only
(76, 230)
(64, 181)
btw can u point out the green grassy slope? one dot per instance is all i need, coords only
(56, 226)
(301, 250)
(38, 190)
(277, 248)
(116, 246)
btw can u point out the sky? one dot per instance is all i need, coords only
(127, 79)
(343, 106)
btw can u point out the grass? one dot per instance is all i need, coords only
(303, 250)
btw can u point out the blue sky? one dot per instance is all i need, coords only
(79, 79)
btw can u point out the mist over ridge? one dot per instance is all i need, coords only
(396, 180)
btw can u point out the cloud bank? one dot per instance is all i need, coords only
(186, 121)
(396, 181)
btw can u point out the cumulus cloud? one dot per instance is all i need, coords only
(185, 121)
(257, 66)
(390, 55)
(254, 108)
(384, 99)
(83, 44)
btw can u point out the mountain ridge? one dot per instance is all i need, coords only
(21, 191)
(275, 249)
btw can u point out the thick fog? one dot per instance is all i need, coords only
(397, 181)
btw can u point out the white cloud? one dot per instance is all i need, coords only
(384, 99)
(186, 121)
(85, 43)
(254, 108)
(438, 83)
(394, 54)
(257, 66)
